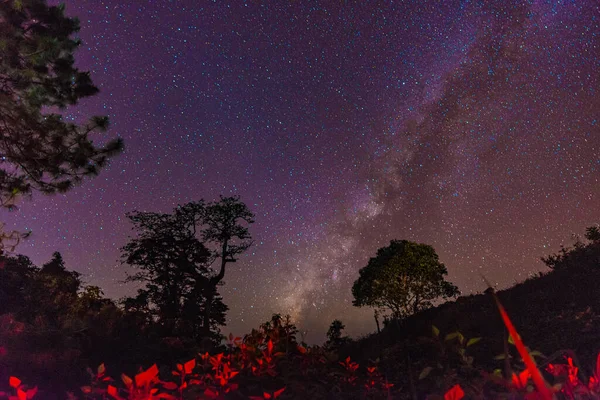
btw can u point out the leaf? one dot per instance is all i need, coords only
(170, 385)
(536, 375)
(511, 340)
(144, 378)
(211, 394)
(18, 5)
(435, 331)
(472, 341)
(113, 391)
(536, 353)
(270, 346)
(277, 393)
(189, 366)
(86, 389)
(21, 394)
(451, 336)
(32, 392)
(425, 373)
(455, 393)
(14, 382)
(101, 369)
(126, 380)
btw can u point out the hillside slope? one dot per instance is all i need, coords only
(559, 310)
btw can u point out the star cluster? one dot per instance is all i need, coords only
(473, 126)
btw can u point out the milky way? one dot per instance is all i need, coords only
(472, 126)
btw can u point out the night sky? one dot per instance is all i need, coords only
(473, 126)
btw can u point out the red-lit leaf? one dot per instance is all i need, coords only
(189, 366)
(126, 380)
(112, 391)
(278, 392)
(21, 394)
(86, 389)
(14, 382)
(455, 393)
(520, 381)
(270, 346)
(543, 390)
(211, 394)
(170, 385)
(144, 378)
(32, 392)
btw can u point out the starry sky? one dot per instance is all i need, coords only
(473, 126)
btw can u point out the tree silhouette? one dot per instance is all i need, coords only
(334, 335)
(583, 254)
(40, 150)
(404, 277)
(173, 263)
(223, 227)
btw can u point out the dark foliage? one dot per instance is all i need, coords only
(405, 277)
(40, 150)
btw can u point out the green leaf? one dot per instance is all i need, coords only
(425, 372)
(511, 340)
(472, 341)
(536, 353)
(498, 372)
(435, 331)
(499, 357)
(451, 336)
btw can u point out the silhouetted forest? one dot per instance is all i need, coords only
(54, 328)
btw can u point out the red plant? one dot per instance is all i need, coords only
(594, 383)
(21, 391)
(455, 393)
(536, 375)
(267, 395)
(520, 381)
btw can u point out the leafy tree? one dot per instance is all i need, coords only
(173, 263)
(405, 277)
(56, 289)
(16, 276)
(334, 335)
(40, 150)
(282, 330)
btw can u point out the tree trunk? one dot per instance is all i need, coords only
(211, 288)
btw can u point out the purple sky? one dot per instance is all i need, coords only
(473, 126)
